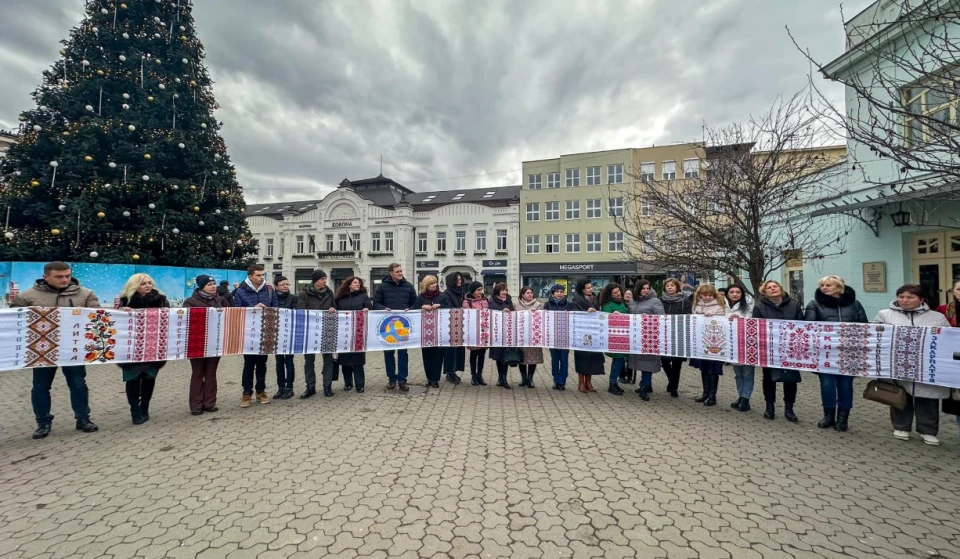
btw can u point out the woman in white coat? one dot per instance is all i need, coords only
(923, 400)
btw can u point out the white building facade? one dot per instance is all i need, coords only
(363, 226)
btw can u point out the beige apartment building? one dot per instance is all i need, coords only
(568, 210)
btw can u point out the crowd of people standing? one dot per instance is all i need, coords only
(833, 301)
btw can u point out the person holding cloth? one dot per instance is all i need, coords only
(395, 293)
(317, 297)
(141, 378)
(203, 378)
(431, 299)
(255, 292)
(285, 370)
(352, 296)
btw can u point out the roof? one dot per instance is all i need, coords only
(277, 209)
(494, 196)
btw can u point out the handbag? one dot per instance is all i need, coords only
(512, 356)
(785, 375)
(951, 405)
(886, 393)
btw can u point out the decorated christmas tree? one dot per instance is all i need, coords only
(122, 160)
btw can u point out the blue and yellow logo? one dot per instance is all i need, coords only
(394, 329)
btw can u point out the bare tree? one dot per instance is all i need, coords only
(905, 84)
(741, 211)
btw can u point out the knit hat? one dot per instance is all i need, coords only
(317, 275)
(558, 287)
(474, 285)
(203, 280)
(278, 279)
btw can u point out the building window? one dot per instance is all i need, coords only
(533, 244)
(615, 207)
(533, 211)
(342, 238)
(481, 241)
(573, 177)
(647, 171)
(552, 244)
(594, 242)
(269, 247)
(553, 180)
(646, 208)
(691, 168)
(329, 245)
(573, 242)
(300, 245)
(593, 176)
(573, 209)
(615, 242)
(421, 243)
(441, 241)
(594, 208)
(375, 242)
(501, 239)
(669, 170)
(649, 242)
(388, 241)
(461, 237)
(551, 211)
(535, 181)
(355, 241)
(935, 100)
(615, 173)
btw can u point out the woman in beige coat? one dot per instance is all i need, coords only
(532, 356)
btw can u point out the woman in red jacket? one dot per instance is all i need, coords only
(950, 309)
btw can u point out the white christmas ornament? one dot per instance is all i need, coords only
(123, 58)
(215, 173)
(126, 214)
(181, 146)
(131, 128)
(176, 80)
(126, 35)
(185, 61)
(152, 206)
(203, 125)
(16, 173)
(37, 127)
(104, 11)
(176, 96)
(43, 107)
(85, 62)
(94, 254)
(8, 235)
(217, 212)
(201, 224)
(176, 231)
(175, 187)
(182, 28)
(156, 35)
(225, 228)
(126, 95)
(126, 106)
(54, 164)
(216, 156)
(112, 165)
(106, 185)
(89, 108)
(209, 238)
(61, 207)
(161, 86)
(146, 177)
(239, 242)
(95, 30)
(156, 20)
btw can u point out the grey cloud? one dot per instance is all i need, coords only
(314, 92)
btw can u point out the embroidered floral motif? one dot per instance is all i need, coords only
(99, 333)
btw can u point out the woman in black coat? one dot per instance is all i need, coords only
(675, 301)
(501, 301)
(586, 363)
(775, 304)
(834, 301)
(140, 292)
(285, 371)
(430, 298)
(352, 296)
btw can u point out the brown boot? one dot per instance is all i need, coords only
(581, 384)
(589, 383)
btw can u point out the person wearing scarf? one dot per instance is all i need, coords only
(430, 299)
(586, 363)
(675, 302)
(707, 302)
(775, 304)
(454, 358)
(645, 301)
(950, 309)
(532, 356)
(559, 358)
(141, 378)
(474, 299)
(611, 301)
(284, 363)
(501, 301)
(203, 377)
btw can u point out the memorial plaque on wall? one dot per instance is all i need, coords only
(875, 277)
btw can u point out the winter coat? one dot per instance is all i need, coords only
(741, 308)
(711, 308)
(554, 305)
(42, 295)
(845, 308)
(312, 299)
(683, 306)
(586, 362)
(950, 311)
(246, 296)
(471, 302)
(355, 301)
(647, 305)
(496, 353)
(455, 294)
(440, 299)
(395, 295)
(286, 300)
(226, 293)
(922, 316)
(197, 300)
(788, 309)
(531, 355)
(152, 300)
(612, 307)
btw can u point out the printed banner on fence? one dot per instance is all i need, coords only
(38, 337)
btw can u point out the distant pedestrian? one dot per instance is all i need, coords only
(223, 290)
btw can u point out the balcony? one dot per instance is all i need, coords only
(376, 254)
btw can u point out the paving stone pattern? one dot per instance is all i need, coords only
(466, 472)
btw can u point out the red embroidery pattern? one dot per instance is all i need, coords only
(483, 336)
(749, 345)
(269, 331)
(196, 332)
(618, 333)
(509, 329)
(430, 320)
(799, 345)
(650, 334)
(536, 328)
(359, 331)
(907, 353)
(43, 336)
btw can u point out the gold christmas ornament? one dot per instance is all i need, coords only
(136, 257)
(150, 98)
(63, 52)
(66, 132)
(88, 158)
(228, 251)
(34, 183)
(22, 118)
(54, 232)
(193, 187)
(196, 208)
(146, 156)
(99, 72)
(101, 215)
(123, 6)
(150, 240)
(223, 193)
(193, 83)
(63, 86)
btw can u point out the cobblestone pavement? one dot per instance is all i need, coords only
(466, 472)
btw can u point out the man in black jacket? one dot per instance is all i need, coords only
(454, 358)
(395, 293)
(318, 297)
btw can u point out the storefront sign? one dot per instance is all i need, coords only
(342, 224)
(875, 277)
(305, 226)
(586, 267)
(494, 263)
(381, 222)
(428, 264)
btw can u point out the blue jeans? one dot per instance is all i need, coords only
(285, 372)
(391, 360)
(743, 375)
(559, 364)
(646, 379)
(76, 381)
(616, 367)
(836, 391)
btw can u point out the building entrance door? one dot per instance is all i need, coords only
(936, 264)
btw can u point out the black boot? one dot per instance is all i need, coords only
(473, 380)
(842, 417)
(359, 379)
(771, 412)
(714, 381)
(502, 381)
(788, 413)
(736, 405)
(328, 390)
(744, 404)
(453, 378)
(615, 389)
(147, 385)
(829, 418)
(480, 380)
(644, 395)
(523, 379)
(704, 380)
(43, 429)
(310, 391)
(133, 398)
(87, 426)
(530, 379)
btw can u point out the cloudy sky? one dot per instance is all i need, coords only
(456, 94)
